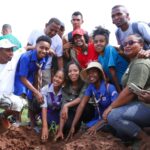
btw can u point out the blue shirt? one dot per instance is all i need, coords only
(26, 67)
(112, 58)
(106, 94)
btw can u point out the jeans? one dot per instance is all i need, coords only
(128, 120)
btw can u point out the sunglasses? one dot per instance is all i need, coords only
(130, 43)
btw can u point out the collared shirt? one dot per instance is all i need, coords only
(104, 95)
(51, 99)
(27, 67)
(56, 45)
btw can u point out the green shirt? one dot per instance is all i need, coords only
(138, 72)
(69, 94)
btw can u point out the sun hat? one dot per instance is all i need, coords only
(5, 43)
(78, 32)
(94, 64)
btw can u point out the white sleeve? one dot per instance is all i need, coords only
(31, 38)
(59, 47)
(44, 105)
(144, 29)
(44, 92)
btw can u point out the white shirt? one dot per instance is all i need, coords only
(48, 99)
(56, 45)
(7, 73)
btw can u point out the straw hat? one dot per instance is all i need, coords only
(84, 74)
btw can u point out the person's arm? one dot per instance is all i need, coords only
(144, 96)
(114, 78)
(92, 130)
(124, 97)
(66, 46)
(44, 135)
(144, 54)
(32, 88)
(60, 62)
(29, 47)
(73, 102)
(78, 114)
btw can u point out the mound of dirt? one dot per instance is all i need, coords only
(18, 139)
(100, 141)
(22, 138)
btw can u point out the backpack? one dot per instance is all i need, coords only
(136, 30)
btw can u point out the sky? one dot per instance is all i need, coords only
(27, 15)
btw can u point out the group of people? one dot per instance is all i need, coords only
(76, 79)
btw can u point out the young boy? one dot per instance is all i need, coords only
(27, 68)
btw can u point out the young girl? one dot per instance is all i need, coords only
(72, 95)
(113, 63)
(103, 93)
(52, 94)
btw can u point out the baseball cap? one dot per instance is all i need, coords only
(5, 43)
(78, 32)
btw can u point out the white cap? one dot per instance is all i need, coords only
(5, 43)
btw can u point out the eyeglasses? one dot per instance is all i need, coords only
(130, 43)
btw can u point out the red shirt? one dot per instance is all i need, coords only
(85, 57)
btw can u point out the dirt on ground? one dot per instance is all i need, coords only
(23, 138)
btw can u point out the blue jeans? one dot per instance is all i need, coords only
(128, 120)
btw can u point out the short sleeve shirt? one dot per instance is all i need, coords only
(56, 45)
(138, 73)
(111, 58)
(26, 67)
(51, 100)
(105, 95)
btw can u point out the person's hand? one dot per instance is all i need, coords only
(92, 130)
(44, 135)
(106, 112)
(144, 96)
(64, 112)
(59, 135)
(145, 143)
(71, 133)
(51, 52)
(67, 45)
(144, 54)
(39, 97)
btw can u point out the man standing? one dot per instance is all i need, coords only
(120, 17)
(51, 29)
(77, 21)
